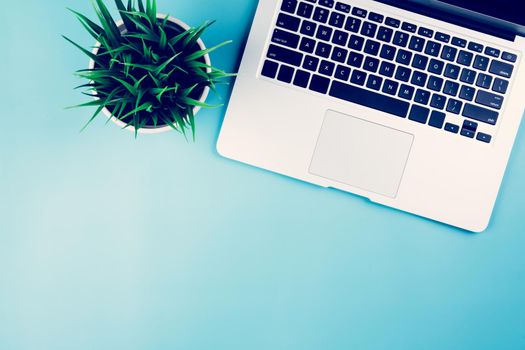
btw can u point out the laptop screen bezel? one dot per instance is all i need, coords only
(461, 16)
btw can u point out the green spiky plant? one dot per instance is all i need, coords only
(147, 73)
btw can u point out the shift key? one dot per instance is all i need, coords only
(481, 114)
(284, 55)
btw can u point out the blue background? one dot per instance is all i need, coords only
(107, 242)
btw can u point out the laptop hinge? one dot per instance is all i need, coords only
(470, 22)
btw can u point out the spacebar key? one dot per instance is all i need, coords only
(369, 99)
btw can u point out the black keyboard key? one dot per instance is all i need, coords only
(438, 101)
(337, 20)
(483, 137)
(323, 50)
(403, 74)
(416, 44)
(510, 57)
(369, 29)
(420, 62)
(501, 68)
(490, 51)
(355, 59)
(321, 15)
(390, 87)
(437, 119)
(311, 63)
(392, 22)
(472, 46)
(319, 84)
(409, 27)
(342, 7)
(358, 77)
(422, 97)
(307, 45)
(270, 69)
(371, 64)
(356, 42)
(308, 28)
(339, 55)
(289, 6)
(435, 83)
(451, 88)
(301, 79)
(436, 66)
(376, 17)
(480, 114)
(400, 39)
(449, 53)
(406, 92)
(305, 10)
(484, 81)
(419, 78)
(470, 125)
(444, 38)
(324, 33)
(327, 3)
(369, 99)
(452, 71)
(429, 33)
(284, 55)
(468, 76)
(285, 74)
(326, 68)
(419, 114)
(284, 38)
(359, 12)
(481, 62)
(404, 57)
(372, 47)
(385, 34)
(353, 24)
(500, 86)
(288, 22)
(454, 106)
(489, 99)
(433, 48)
(467, 133)
(387, 69)
(452, 128)
(388, 52)
(342, 73)
(465, 58)
(374, 82)
(459, 42)
(340, 38)
(467, 93)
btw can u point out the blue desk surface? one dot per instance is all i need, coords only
(107, 242)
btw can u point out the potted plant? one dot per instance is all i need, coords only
(148, 72)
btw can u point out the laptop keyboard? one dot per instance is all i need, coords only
(383, 63)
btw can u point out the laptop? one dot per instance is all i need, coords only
(413, 104)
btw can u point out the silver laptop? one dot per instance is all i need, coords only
(413, 104)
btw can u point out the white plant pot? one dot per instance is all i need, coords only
(205, 92)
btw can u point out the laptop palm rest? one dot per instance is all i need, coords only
(361, 154)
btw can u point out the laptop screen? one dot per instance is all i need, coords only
(507, 10)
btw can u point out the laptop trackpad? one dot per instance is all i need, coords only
(361, 154)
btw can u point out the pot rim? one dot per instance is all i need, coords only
(166, 128)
